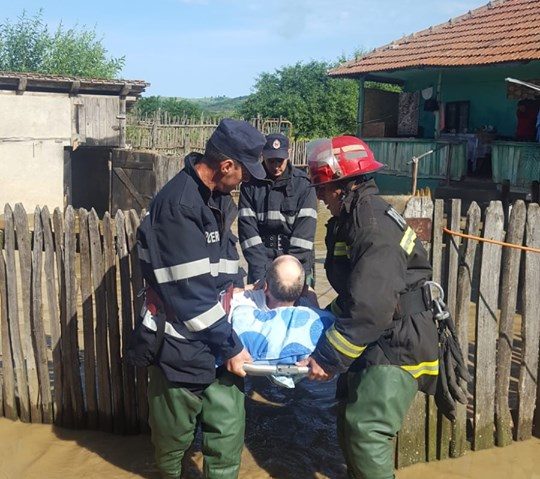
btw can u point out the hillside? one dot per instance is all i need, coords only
(218, 105)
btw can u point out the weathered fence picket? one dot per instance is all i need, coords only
(88, 322)
(13, 317)
(458, 444)
(54, 315)
(38, 329)
(74, 278)
(530, 327)
(487, 330)
(509, 281)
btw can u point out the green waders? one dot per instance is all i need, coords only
(370, 414)
(173, 416)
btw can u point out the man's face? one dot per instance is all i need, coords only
(330, 194)
(275, 166)
(231, 173)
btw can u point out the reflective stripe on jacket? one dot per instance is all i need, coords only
(188, 256)
(287, 207)
(373, 258)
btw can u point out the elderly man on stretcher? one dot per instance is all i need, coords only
(279, 322)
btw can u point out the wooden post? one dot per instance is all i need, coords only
(25, 268)
(487, 330)
(71, 359)
(58, 221)
(109, 259)
(13, 317)
(8, 374)
(414, 175)
(102, 354)
(88, 322)
(530, 328)
(37, 321)
(458, 444)
(128, 377)
(509, 288)
(54, 316)
(361, 106)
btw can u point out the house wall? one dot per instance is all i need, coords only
(34, 129)
(380, 107)
(485, 88)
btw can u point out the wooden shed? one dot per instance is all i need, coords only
(57, 136)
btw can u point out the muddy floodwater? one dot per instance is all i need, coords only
(290, 434)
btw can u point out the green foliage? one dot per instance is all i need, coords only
(26, 45)
(316, 104)
(220, 106)
(175, 107)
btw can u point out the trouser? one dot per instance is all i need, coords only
(371, 410)
(173, 416)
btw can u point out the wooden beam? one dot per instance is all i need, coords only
(75, 87)
(125, 90)
(21, 87)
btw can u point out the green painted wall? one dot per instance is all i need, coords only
(483, 87)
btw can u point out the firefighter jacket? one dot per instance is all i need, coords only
(378, 267)
(277, 217)
(188, 256)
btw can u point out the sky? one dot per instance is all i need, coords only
(200, 48)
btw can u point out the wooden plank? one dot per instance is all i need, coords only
(109, 258)
(453, 243)
(54, 315)
(102, 354)
(132, 223)
(72, 363)
(432, 431)
(58, 221)
(8, 374)
(487, 329)
(530, 327)
(510, 279)
(13, 317)
(38, 327)
(412, 436)
(88, 323)
(121, 174)
(458, 444)
(128, 371)
(25, 271)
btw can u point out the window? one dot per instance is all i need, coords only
(456, 117)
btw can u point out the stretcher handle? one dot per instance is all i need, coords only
(275, 369)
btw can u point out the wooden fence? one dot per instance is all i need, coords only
(69, 296)
(179, 136)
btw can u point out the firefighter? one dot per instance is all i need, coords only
(384, 341)
(277, 215)
(188, 257)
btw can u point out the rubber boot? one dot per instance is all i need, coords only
(223, 424)
(377, 400)
(173, 415)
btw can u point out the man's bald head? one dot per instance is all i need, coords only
(285, 279)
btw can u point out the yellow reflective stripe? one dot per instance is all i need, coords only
(341, 249)
(334, 307)
(408, 239)
(345, 347)
(430, 368)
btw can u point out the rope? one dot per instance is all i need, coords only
(500, 243)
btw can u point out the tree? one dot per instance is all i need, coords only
(26, 45)
(178, 107)
(316, 104)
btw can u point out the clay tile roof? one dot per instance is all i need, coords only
(501, 31)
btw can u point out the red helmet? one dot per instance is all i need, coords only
(338, 158)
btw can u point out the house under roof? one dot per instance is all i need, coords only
(502, 31)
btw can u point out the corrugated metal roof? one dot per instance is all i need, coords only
(61, 83)
(499, 32)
